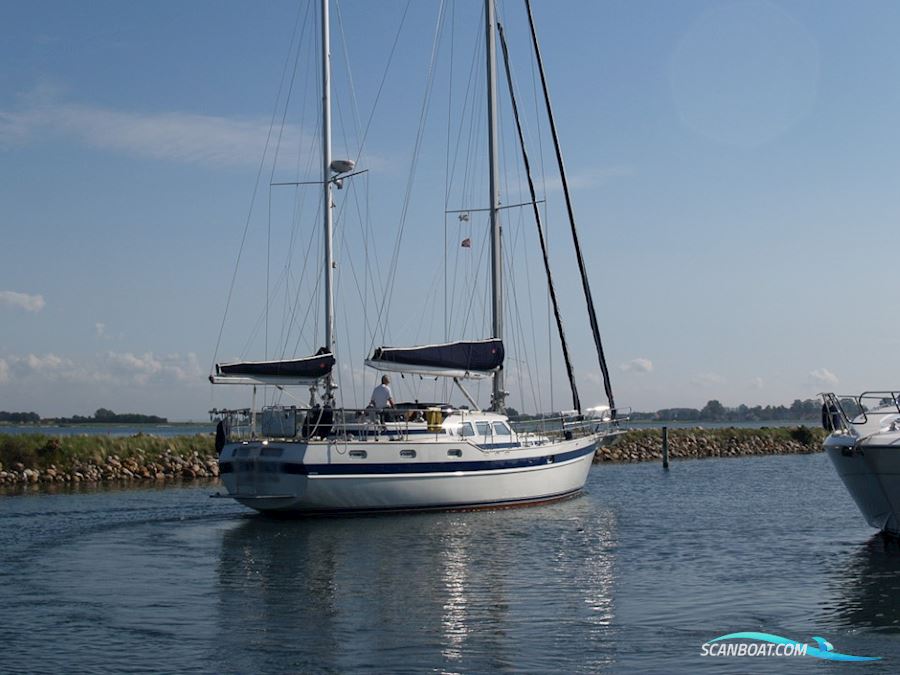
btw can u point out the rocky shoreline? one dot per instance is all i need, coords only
(646, 445)
(168, 467)
(149, 459)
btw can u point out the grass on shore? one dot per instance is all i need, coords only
(39, 451)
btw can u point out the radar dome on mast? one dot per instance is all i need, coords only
(342, 165)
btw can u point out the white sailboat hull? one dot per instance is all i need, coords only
(322, 477)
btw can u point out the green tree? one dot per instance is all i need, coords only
(713, 410)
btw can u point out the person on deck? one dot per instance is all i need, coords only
(381, 395)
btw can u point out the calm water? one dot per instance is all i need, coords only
(631, 577)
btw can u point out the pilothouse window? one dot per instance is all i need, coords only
(466, 429)
(484, 428)
(500, 429)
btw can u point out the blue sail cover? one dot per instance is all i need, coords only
(306, 369)
(454, 359)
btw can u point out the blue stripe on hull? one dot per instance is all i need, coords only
(432, 467)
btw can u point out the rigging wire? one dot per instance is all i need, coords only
(298, 202)
(262, 163)
(383, 79)
(384, 308)
(468, 105)
(595, 329)
(547, 228)
(575, 398)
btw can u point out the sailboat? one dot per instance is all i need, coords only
(322, 458)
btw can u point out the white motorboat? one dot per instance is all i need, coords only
(865, 451)
(325, 458)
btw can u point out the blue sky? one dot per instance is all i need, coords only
(734, 168)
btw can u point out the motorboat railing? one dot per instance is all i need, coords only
(571, 425)
(836, 419)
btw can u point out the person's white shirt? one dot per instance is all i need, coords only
(382, 396)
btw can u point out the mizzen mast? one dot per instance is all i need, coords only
(326, 194)
(498, 396)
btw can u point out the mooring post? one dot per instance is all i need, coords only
(665, 439)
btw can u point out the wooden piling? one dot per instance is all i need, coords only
(665, 448)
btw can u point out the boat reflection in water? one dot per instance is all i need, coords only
(474, 591)
(865, 587)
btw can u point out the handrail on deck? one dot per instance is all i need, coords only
(836, 419)
(396, 423)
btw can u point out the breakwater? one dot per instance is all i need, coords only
(37, 458)
(646, 445)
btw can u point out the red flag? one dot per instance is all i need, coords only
(466, 243)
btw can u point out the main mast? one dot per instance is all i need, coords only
(326, 192)
(499, 395)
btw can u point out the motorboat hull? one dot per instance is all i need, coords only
(871, 474)
(323, 477)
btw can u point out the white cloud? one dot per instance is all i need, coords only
(33, 367)
(143, 368)
(112, 368)
(101, 329)
(46, 363)
(707, 380)
(638, 365)
(176, 136)
(823, 376)
(756, 383)
(26, 301)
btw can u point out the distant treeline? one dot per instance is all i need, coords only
(713, 411)
(19, 417)
(102, 416)
(799, 411)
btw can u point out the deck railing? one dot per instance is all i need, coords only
(404, 423)
(321, 422)
(836, 418)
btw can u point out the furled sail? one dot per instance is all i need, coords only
(292, 371)
(472, 359)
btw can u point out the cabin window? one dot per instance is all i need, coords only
(500, 429)
(271, 452)
(466, 429)
(455, 452)
(359, 454)
(407, 453)
(242, 452)
(484, 428)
